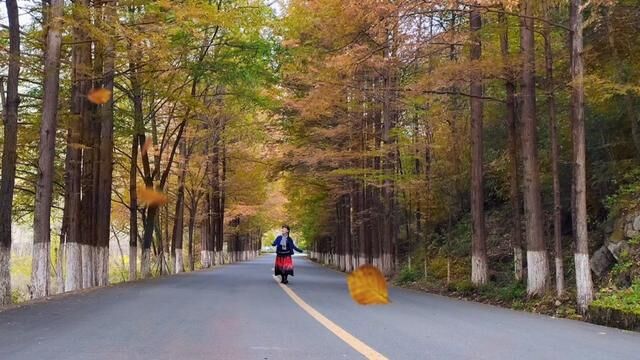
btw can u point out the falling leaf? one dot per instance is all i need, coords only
(368, 286)
(151, 197)
(147, 147)
(78, 146)
(99, 96)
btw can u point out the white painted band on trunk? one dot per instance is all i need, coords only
(87, 266)
(40, 270)
(559, 276)
(517, 263)
(145, 263)
(179, 265)
(103, 256)
(5, 276)
(73, 279)
(537, 272)
(584, 294)
(133, 263)
(479, 270)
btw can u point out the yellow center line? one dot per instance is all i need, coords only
(351, 340)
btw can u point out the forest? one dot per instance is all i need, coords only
(460, 145)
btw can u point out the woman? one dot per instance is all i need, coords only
(284, 249)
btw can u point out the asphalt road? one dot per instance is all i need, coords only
(239, 312)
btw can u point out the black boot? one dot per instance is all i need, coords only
(282, 279)
(285, 281)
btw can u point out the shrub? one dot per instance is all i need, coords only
(408, 275)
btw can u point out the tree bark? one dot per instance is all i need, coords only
(583, 272)
(9, 151)
(46, 153)
(103, 222)
(537, 262)
(514, 176)
(178, 224)
(555, 156)
(81, 83)
(479, 265)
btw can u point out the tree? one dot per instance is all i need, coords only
(555, 152)
(43, 201)
(513, 145)
(583, 271)
(537, 263)
(9, 150)
(479, 264)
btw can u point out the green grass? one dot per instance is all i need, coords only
(627, 300)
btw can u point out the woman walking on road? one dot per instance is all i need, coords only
(284, 249)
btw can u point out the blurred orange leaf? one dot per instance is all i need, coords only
(99, 96)
(368, 286)
(149, 196)
(148, 145)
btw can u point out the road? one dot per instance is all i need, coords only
(239, 312)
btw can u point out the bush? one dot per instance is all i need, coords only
(408, 275)
(464, 287)
(627, 300)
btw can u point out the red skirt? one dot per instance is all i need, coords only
(284, 265)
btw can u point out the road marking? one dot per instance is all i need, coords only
(351, 340)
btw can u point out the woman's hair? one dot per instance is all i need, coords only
(286, 227)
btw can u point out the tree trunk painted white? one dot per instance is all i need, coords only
(537, 274)
(204, 261)
(73, 279)
(479, 264)
(179, 265)
(87, 266)
(133, 263)
(5, 279)
(9, 149)
(103, 266)
(40, 270)
(146, 263)
(518, 264)
(584, 283)
(46, 153)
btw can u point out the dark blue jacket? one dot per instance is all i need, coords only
(290, 246)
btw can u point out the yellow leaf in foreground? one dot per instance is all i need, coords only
(151, 197)
(99, 96)
(368, 286)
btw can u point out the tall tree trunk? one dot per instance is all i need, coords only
(537, 262)
(555, 155)
(193, 210)
(103, 223)
(514, 176)
(138, 134)
(81, 83)
(583, 272)
(46, 153)
(479, 265)
(9, 154)
(178, 224)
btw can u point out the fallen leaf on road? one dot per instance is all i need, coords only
(151, 197)
(368, 286)
(99, 96)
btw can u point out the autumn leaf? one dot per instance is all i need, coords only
(99, 96)
(147, 147)
(368, 286)
(151, 197)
